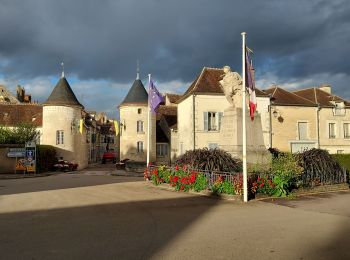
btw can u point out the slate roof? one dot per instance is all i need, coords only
(137, 94)
(63, 95)
(282, 97)
(13, 114)
(208, 83)
(319, 96)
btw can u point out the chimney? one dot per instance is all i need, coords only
(326, 88)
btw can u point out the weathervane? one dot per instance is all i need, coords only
(137, 69)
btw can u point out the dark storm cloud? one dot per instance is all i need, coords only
(173, 39)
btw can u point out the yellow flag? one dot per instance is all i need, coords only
(81, 126)
(116, 127)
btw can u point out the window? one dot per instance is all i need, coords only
(139, 110)
(162, 150)
(212, 121)
(59, 137)
(346, 130)
(140, 126)
(213, 146)
(302, 130)
(331, 130)
(140, 147)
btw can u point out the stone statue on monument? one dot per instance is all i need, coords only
(231, 85)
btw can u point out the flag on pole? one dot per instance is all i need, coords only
(154, 97)
(250, 83)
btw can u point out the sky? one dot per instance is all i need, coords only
(296, 44)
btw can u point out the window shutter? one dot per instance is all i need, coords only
(219, 120)
(205, 116)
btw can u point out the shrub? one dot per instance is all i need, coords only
(182, 180)
(19, 134)
(263, 185)
(320, 168)
(285, 172)
(210, 160)
(201, 183)
(238, 184)
(164, 174)
(227, 188)
(46, 158)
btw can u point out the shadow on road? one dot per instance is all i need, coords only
(60, 181)
(133, 230)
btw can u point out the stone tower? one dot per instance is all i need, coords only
(133, 125)
(62, 114)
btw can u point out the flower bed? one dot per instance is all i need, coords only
(185, 179)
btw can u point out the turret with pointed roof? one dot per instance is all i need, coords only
(63, 95)
(136, 95)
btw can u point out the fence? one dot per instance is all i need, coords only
(212, 176)
(306, 179)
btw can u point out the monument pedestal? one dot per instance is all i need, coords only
(231, 136)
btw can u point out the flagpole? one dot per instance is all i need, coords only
(148, 121)
(244, 137)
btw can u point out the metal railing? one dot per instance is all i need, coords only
(212, 176)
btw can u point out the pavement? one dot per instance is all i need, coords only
(91, 215)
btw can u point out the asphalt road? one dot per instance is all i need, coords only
(87, 216)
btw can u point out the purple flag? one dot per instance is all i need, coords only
(154, 97)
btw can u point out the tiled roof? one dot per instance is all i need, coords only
(12, 115)
(169, 113)
(137, 94)
(321, 97)
(173, 97)
(167, 110)
(208, 83)
(281, 96)
(63, 95)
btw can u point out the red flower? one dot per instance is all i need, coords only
(177, 167)
(262, 185)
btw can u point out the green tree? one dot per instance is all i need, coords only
(19, 134)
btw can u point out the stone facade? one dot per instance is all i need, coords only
(66, 119)
(130, 115)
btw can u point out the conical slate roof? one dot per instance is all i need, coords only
(136, 94)
(63, 95)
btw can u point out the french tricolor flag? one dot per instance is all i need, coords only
(250, 83)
